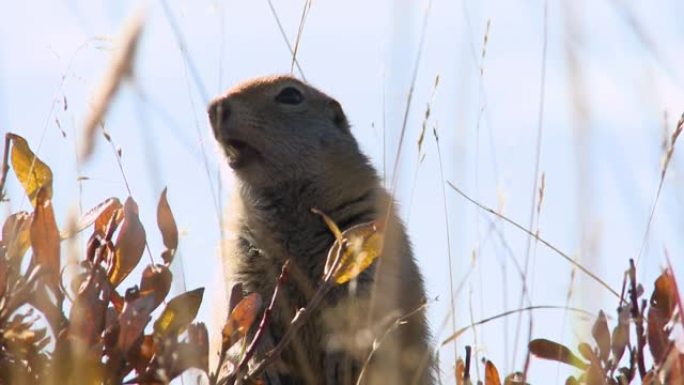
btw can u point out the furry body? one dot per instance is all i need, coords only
(291, 149)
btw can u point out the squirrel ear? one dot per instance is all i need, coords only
(337, 115)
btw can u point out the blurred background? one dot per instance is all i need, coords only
(575, 98)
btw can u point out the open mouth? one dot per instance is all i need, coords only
(239, 153)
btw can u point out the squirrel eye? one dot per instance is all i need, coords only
(289, 95)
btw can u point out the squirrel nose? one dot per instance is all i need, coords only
(219, 112)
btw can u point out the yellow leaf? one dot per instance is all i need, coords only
(32, 173)
(179, 312)
(362, 244)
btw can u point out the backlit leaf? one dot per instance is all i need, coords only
(133, 319)
(167, 226)
(459, 371)
(87, 316)
(554, 351)
(491, 374)
(100, 215)
(198, 336)
(45, 238)
(362, 245)
(601, 334)
(663, 301)
(156, 281)
(241, 319)
(179, 312)
(32, 173)
(16, 237)
(129, 246)
(620, 337)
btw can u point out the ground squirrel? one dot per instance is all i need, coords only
(291, 149)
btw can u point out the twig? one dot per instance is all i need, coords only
(5, 167)
(507, 313)
(637, 315)
(284, 36)
(537, 161)
(538, 238)
(305, 12)
(663, 172)
(376, 344)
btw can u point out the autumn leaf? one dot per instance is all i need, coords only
(100, 216)
(663, 301)
(156, 282)
(129, 246)
(491, 374)
(554, 351)
(362, 244)
(32, 173)
(241, 319)
(601, 334)
(133, 319)
(179, 312)
(198, 336)
(167, 226)
(16, 235)
(45, 238)
(620, 337)
(87, 316)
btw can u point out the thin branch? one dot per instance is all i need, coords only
(5, 167)
(538, 238)
(305, 12)
(378, 341)
(284, 36)
(663, 172)
(464, 329)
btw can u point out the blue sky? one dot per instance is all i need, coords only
(612, 71)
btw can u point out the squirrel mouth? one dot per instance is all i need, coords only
(239, 153)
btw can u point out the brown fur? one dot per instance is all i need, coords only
(301, 155)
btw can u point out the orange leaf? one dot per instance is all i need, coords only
(491, 374)
(663, 302)
(129, 246)
(554, 351)
(45, 238)
(16, 237)
(460, 371)
(32, 173)
(362, 245)
(100, 215)
(241, 319)
(179, 312)
(167, 226)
